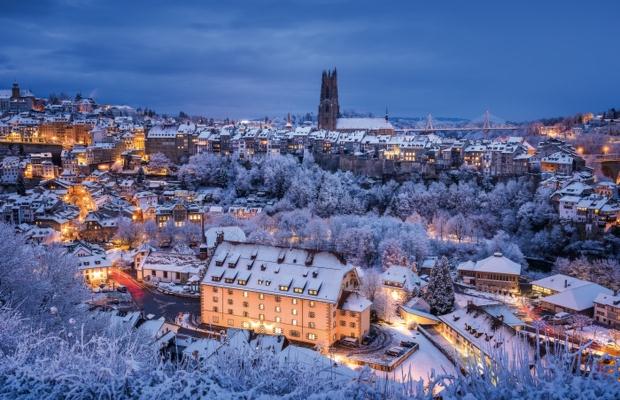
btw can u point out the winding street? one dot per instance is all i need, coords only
(151, 301)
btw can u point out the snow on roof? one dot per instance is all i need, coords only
(231, 233)
(558, 158)
(273, 343)
(293, 355)
(363, 124)
(496, 263)
(579, 298)
(278, 271)
(559, 282)
(355, 302)
(402, 277)
(152, 327)
(608, 300)
(501, 339)
(172, 262)
(202, 348)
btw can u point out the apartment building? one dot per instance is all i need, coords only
(607, 310)
(304, 295)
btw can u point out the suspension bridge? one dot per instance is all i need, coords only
(485, 123)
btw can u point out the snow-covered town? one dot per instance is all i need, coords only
(315, 252)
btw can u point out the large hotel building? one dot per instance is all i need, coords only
(304, 295)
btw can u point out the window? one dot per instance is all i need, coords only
(230, 322)
(343, 312)
(246, 314)
(261, 306)
(311, 303)
(230, 311)
(230, 291)
(294, 301)
(294, 333)
(261, 296)
(214, 289)
(245, 293)
(294, 322)
(177, 275)
(343, 323)
(230, 301)
(352, 324)
(153, 273)
(215, 299)
(294, 311)
(261, 317)
(311, 325)
(278, 299)
(298, 290)
(278, 319)
(242, 282)
(277, 331)
(215, 319)
(278, 309)
(312, 336)
(246, 325)
(246, 304)
(284, 288)
(214, 308)
(313, 292)
(311, 314)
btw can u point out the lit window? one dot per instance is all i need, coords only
(294, 322)
(294, 301)
(246, 325)
(261, 317)
(311, 325)
(294, 311)
(277, 331)
(278, 319)
(245, 293)
(261, 306)
(312, 336)
(278, 309)
(261, 296)
(311, 303)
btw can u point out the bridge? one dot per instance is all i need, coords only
(486, 124)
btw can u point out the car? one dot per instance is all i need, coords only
(395, 351)
(349, 342)
(561, 318)
(407, 343)
(121, 288)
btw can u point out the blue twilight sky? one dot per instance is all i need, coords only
(520, 59)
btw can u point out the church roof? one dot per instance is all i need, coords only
(370, 124)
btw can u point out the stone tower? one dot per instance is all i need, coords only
(329, 110)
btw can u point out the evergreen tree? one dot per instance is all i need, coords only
(440, 293)
(20, 185)
(140, 176)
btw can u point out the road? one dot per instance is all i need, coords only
(152, 302)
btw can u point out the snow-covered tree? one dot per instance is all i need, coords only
(440, 291)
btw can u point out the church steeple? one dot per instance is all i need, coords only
(329, 109)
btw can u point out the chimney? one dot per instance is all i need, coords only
(219, 238)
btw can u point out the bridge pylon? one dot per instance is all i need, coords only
(429, 123)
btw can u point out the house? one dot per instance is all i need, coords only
(427, 265)
(559, 163)
(577, 300)
(93, 263)
(307, 296)
(162, 266)
(607, 310)
(493, 274)
(401, 282)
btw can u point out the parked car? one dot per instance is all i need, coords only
(561, 318)
(349, 342)
(395, 351)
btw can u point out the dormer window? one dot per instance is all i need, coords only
(313, 292)
(284, 288)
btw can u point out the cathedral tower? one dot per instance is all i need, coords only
(329, 110)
